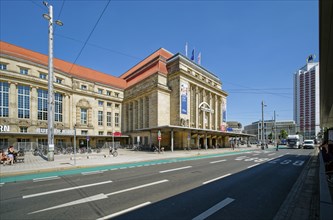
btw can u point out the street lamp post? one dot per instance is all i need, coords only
(75, 145)
(262, 125)
(275, 128)
(50, 111)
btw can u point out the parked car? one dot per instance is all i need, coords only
(308, 144)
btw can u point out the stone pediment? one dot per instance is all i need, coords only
(83, 103)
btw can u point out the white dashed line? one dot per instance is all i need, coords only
(180, 168)
(46, 178)
(124, 211)
(214, 209)
(218, 161)
(212, 180)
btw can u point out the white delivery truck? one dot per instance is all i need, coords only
(294, 141)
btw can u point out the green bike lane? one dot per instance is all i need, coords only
(93, 168)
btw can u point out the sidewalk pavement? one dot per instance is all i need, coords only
(37, 164)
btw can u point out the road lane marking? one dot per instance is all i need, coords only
(92, 172)
(253, 165)
(212, 180)
(255, 154)
(84, 200)
(214, 209)
(124, 211)
(64, 190)
(271, 154)
(218, 161)
(46, 178)
(180, 168)
(97, 197)
(137, 187)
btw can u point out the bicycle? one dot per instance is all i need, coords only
(187, 148)
(113, 152)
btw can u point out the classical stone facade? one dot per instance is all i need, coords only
(73, 94)
(164, 93)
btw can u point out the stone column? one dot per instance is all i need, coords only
(144, 112)
(210, 113)
(206, 141)
(13, 104)
(78, 116)
(221, 110)
(34, 104)
(196, 107)
(67, 119)
(217, 126)
(172, 140)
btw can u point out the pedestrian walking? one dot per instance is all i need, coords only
(277, 145)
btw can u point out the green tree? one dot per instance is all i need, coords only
(283, 134)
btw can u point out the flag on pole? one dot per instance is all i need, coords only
(199, 58)
(186, 47)
(192, 57)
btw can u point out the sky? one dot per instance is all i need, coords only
(254, 47)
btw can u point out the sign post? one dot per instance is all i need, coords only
(74, 145)
(87, 143)
(159, 137)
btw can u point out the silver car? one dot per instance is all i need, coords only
(308, 144)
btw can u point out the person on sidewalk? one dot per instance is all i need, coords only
(11, 153)
(5, 159)
(277, 144)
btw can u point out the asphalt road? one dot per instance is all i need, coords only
(250, 185)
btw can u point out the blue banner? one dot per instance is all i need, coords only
(183, 97)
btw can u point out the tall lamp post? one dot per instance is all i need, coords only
(50, 104)
(262, 125)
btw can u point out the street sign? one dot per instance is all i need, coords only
(88, 138)
(189, 136)
(159, 138)
(159, 133)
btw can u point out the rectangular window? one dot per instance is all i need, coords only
(4, 143)
(100, 103)
(116, 105)
(83, 87)
(116, 94)
(101, 133)
(24, 71)
(58, 107)
(58, 80)
(23, 129)
(3, 66)
(109, 104)
(42, 75)
(116, 119)
(4, 99)
(100, 91)
(23, 101)
(84, 132)
(100, 117)
(108, 93)
(109, 119)
(42, 104)
(84, 116)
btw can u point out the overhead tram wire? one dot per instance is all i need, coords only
(91, 32)
(35, 3)
(100, 47)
